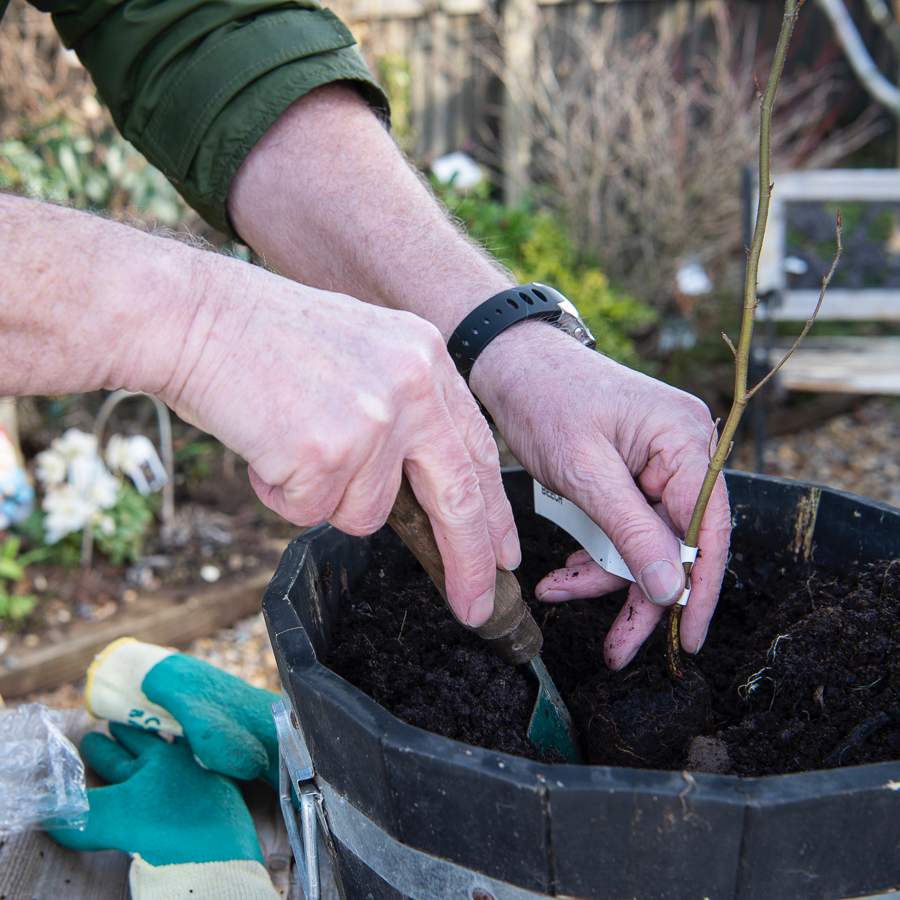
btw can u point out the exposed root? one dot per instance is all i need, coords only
(860, 734)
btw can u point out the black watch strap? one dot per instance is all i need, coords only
(494, 316)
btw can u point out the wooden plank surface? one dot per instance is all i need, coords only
(32, 867)
(841, 305)
(170, 623)
(843, 365)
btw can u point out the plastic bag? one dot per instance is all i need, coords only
(41, 773)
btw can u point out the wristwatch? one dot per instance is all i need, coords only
(503, 310)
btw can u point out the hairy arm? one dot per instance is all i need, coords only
(329, 400)
(326, 198)
(88, 304)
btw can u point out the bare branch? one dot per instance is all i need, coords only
(730, 344)
(742, 350)
(809, 322)
(859, 57)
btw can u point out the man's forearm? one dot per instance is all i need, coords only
(68, 310)
(328, 199)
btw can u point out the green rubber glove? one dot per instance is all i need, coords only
(160, 803)
(227, 722)
(189, 829)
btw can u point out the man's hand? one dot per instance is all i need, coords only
(360, 221)
(632, 453)
(328, 399)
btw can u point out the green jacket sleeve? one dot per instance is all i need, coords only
(194, 84)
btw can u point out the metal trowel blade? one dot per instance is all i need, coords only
(550, 727)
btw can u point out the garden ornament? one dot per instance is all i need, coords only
(227, 722)
(511, 630)
(188, 829)
(16, 492)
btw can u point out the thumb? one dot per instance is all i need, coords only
(222, 745)
(647, 544)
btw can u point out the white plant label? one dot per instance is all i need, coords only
(576, 522)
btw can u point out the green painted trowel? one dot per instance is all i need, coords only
(511, 631)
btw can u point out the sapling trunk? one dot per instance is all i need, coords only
(741, 351)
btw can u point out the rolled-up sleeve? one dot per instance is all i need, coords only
(194, 84)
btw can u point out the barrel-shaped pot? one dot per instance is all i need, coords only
(414, 814)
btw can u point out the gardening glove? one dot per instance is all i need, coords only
(227, 722)
(188, 829)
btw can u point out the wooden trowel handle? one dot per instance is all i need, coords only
(511, 630)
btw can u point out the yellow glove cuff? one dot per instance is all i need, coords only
(113, 688)
(243, 879)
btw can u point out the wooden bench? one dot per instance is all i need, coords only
(857, 365)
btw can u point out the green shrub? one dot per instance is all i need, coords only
(533, 244)
(14, 607)
(62, 162)
(120, 534)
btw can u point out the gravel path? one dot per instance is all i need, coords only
(857, 452)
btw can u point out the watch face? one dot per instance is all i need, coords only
(573, 325)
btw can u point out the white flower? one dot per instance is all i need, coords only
(67, 511)
(75, 444)
(51, 468)
(458, 168)
(8, 461)
(118, 453)
(107, 525)
(92, 481)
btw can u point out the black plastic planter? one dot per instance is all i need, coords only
(413, 814)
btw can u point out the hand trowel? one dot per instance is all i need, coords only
(511, 631)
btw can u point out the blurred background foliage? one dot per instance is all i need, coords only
(64, 161)
(534, 245)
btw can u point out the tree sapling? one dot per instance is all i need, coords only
(741, 351)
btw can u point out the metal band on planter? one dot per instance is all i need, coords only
(503, 310)
(327, 816)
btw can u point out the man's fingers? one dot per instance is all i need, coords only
(300, 505)
(648, 546)
(577, 581)
(479, 441)
(634, 624)
(443, 479)
(709, 569)
(369, 498)
(578, 558)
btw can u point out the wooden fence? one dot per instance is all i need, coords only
(452, 53)
(446, 56)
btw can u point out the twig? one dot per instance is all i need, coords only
(839, 247)
(402, 624)
(742, 350)
(730, 343)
